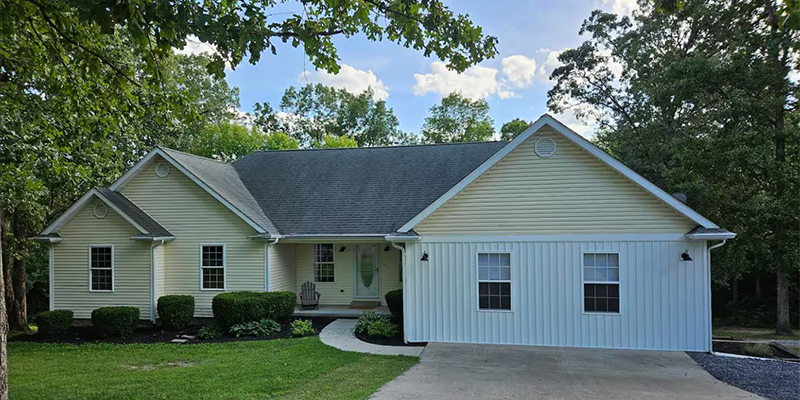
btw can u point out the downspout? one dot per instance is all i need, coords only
(153, 299)
(405, 267)
(710, 330)
(52, 281)
(270, 242)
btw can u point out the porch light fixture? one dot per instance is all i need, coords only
(386, 248)
(424, 257)
(685, 256)
(341, 249)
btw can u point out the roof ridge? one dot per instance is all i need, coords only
(192, 155)
(375, 147)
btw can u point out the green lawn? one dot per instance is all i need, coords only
(750, 333)
(292, 369)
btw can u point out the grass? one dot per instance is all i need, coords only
(751, 333)
(291, 369)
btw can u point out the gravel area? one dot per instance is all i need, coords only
(775, 380)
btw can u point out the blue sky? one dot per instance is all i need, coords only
(530, 34)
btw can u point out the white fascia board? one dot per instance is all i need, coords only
(120, 183)
(616, 237)
(580, 141)
(70, 213)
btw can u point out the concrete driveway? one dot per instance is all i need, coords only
(465, 371)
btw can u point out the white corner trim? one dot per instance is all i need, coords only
(120, 183)
(73, 210)
(580, 141)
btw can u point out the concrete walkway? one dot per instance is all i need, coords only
(340, 334)
(468, 371)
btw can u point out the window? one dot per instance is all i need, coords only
(494, 281)
(323, 263)
(601, 282)
(212, 267)
(101, 268)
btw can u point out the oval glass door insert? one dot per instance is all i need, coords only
(367, 267)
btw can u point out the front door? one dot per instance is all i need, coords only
(367, 278)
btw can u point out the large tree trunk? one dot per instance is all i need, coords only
(3, 327)
(6, 262)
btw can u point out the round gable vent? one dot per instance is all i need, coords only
(162, 170)
(545, 147)
(100, 211)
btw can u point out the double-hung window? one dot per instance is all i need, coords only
(494, 281)
(601, 282)
(212, 266)
(101, 268)
(324, 270)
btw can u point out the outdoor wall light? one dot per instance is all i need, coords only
(424, 257)
(685, 256)
(386, 248)
(341, 249)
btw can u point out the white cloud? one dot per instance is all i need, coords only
(351, 79)
(569, 119)
(621, 7)
(474, 83)
(519, 70)
(195, 46)
(549, 64)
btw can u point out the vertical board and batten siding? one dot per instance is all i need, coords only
(195, 217)
(570, 192)
(282, 272)
(663, 302)
(71, 264)
(341, 291)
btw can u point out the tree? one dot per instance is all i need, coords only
(335, 142)
(314, 111)
(513, 128)
(3, 327)
(228, 141)
(458, 119)
(701, 103)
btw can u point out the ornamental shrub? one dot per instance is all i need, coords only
(265, 327)
(54, 323)
(114, 322)
(394, 300)
(366, 319)
(175, 311)
(241, 307)
(209, 332)
(382, 328)
(302, 327)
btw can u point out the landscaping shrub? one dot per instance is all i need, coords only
(54, 323)
(265, 327)
(114, 322)
(240, 307)
(366, 319)
(394, 300)
(302, 327)
(209, 332)
(382, 328)
(175, 311)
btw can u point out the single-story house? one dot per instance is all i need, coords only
(544, 240)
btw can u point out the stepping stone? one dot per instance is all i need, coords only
(189, 337)
(179, 340)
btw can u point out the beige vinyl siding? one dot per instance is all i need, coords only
(160, 271)
(195, 217)
(71, 264)
(282, 272)
(571, 192)
(341, 291)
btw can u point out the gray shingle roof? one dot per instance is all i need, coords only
(354, 191)
(223, 179)
(134, 212)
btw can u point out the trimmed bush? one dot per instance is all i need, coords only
(382, 328)
(113, 322)
(54, 323)
(175, 311)
(239, 307)
(394, 300)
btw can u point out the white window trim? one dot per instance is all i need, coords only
(509, 281)
(224, 267)
(113, 275)
(618, 283)
(314, 262)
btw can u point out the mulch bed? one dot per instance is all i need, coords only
(396, 340)
(86, 334)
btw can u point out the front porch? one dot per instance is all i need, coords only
(333, 311)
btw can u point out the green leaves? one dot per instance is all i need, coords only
(458, 119)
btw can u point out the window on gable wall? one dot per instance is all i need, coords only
(101, 267)
(601, 282)
(324, 269)
(494, 281)
(213, 267)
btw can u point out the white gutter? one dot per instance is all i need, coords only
(270, 243)
(710, 332)
(156, 243)
(401, 238)
(710, 236)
